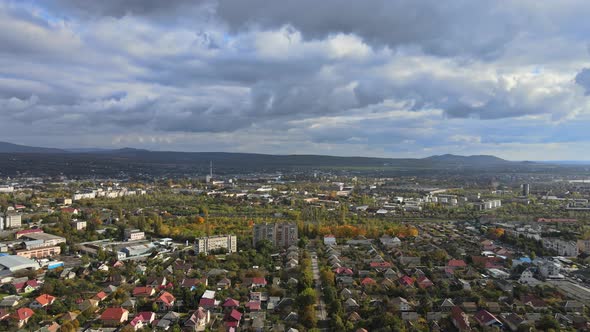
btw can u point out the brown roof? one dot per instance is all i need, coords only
(113, 314)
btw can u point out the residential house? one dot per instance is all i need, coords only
(42, 301)
(144, 291)
(100, 296)
(460, 319)
(410, 316)
(512, 321)
(231, 303)
(424, 282)
(350, 304)
(142, 320)
(469, 306)
(112, 317)
(534, 302)
(485, 319)
(21, 316)
(401, 304)
(156, 282)
(232, 319)
(527, 278)
(406, 281)
(224, 283)
(10, 301)
(447, 305)
(165, 301)
(456, 264)
(573, 306)
(198, 320)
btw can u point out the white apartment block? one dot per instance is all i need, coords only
(563, 248)
(5, 189)
(212, 243)
(488, 205)
(79, 225)
(12, 220)
(134, 235)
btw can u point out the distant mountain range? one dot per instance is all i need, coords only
(37, 160)
(15, 148)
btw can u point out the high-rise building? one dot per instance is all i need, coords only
(280, 234)
(212, 243)
(526, 189)
(12, 220)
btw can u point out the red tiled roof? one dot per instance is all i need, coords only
(206, 302)
(254, 305)
(483, 317)
(113, 314)
(45, 299)
(23, 313)
(405, 280)
(234, 315)
(457, 263)
(381, 264)
(343, 270)
(29, 231)
(259, 281)
(367, 281)
(424, 282)
(101, 295)
(143, 291)
(231, 303)
(460, 319)
(167, 298)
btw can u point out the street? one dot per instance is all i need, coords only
(320, 305)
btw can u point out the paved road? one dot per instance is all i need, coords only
(320, 305)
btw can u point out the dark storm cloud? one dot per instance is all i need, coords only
(116, 8)
(439, 27)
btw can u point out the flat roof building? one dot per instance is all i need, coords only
(212, 243)
(14, 263)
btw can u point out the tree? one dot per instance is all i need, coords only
(307, 297)
(547, 322)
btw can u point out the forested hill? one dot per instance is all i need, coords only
(128, 161)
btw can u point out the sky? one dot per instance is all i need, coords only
(380, 78)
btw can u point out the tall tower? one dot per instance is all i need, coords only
(209, 177)
(526, 189)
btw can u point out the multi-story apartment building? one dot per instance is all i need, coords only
(12, 220)
(208, 244)
(134, 235)
(280, 234)
(563, 248)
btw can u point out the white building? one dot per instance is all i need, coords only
(79, 225)
(563, 248)
(134, 235)
(212, 243)
(527, 278)
(550, 269)
(12, 220)
(330, 240)
(6, 189)
(84, 195)
(488, 205)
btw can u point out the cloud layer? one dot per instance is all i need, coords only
(381, 78)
